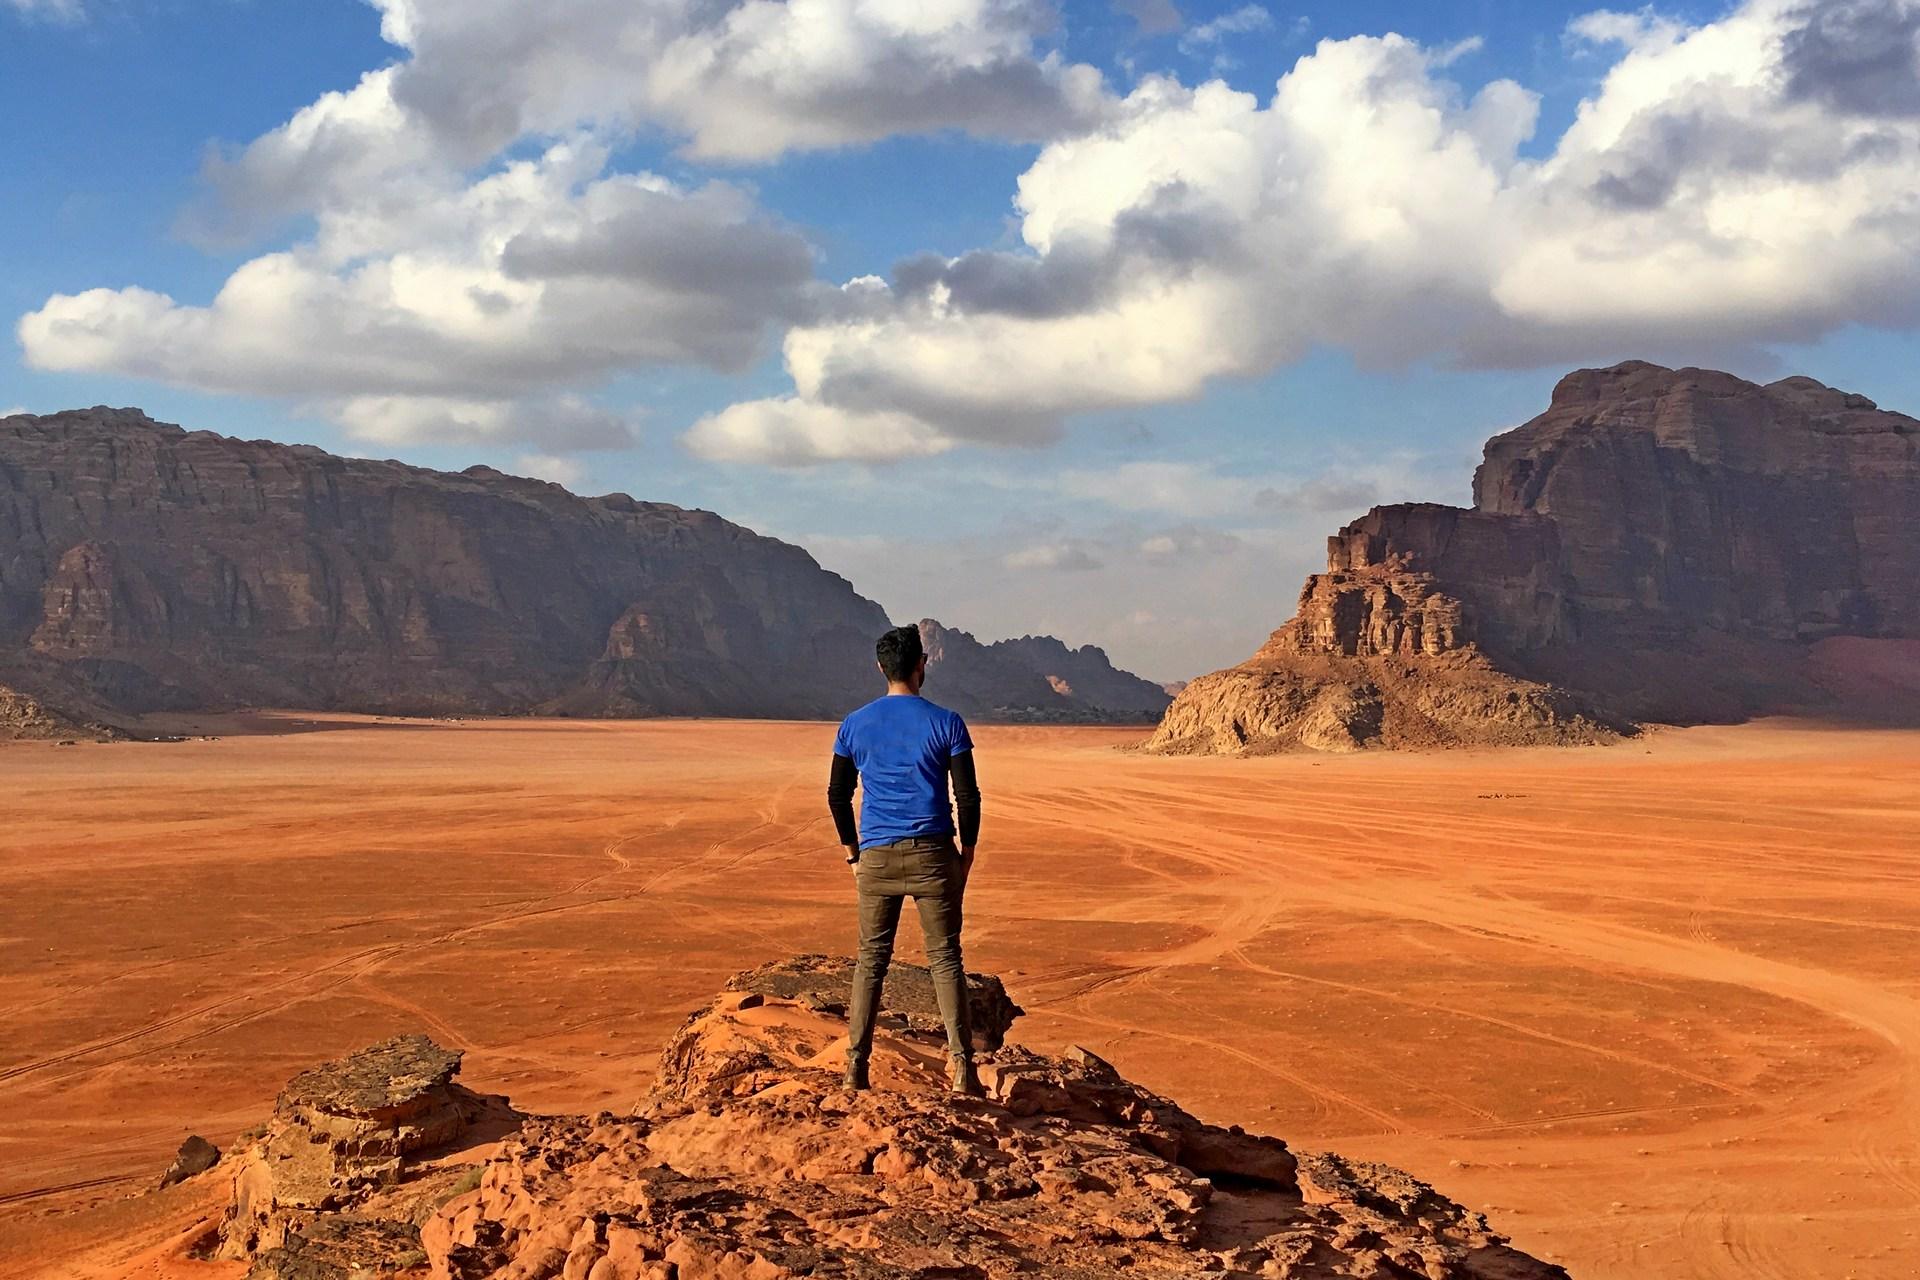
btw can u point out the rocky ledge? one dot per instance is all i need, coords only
(750, 1161)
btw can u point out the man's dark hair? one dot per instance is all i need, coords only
(899, 652)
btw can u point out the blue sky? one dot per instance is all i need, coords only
(1123, 409)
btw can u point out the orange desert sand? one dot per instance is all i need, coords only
(1655, 1008)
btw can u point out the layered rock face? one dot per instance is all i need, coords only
(1034, 678)
(143, 567)
(1659, 545)
(1696, 499)
(748, 1159)
(159, 567)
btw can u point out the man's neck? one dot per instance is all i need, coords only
(901, 690)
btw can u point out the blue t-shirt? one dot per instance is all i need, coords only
(901, 745)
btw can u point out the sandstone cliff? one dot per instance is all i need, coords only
(143, 567)
(1660, 545)
(748, 1159)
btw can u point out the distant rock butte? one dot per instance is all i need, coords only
(147, 568)
(1035, 678)
(1660, 545)
(749, 1161)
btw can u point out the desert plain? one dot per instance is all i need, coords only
(1654, 1008)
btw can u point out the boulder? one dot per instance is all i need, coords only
(195, 1157)
(354, 1148)
(826, 983)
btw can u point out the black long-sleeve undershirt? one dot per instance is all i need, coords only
(966, 798)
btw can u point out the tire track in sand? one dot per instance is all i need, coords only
(364, 962)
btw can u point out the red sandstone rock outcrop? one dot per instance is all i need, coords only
(357, 1154)
(823, 983)
(143, 567)
(1659, 545)
(749, 1161)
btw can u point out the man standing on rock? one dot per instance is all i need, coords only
(903, 751)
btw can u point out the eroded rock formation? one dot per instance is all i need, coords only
(357, 1154)
(144, 568)
(749, 1161)
(1660, 545)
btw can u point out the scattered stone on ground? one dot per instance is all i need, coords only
(195, 1157)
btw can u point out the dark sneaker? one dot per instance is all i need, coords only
(965, 1080)
(856, 1077)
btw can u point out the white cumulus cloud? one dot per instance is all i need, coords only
(1727, 184)
(737, 80)
(559, 422)
(1242, 21)
(472, 254)
(564, 471)
(791, 431)
(454, 313)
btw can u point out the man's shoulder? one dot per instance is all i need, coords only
(952, 721)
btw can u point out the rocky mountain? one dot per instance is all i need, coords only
(1659, 545)
(749, 1159)
(1034, 678)
(1087, 675)
(144, 567)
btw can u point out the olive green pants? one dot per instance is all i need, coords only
(926, 869)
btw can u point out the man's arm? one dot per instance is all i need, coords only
(840, 786)
(966, 799)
